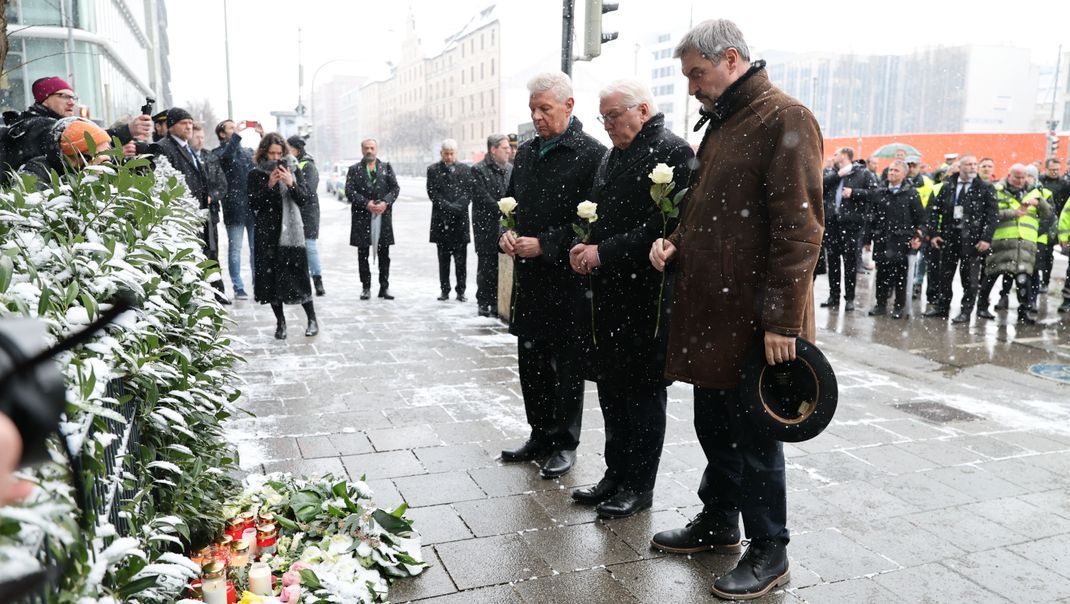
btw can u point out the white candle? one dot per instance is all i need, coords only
(260, 579)
(249, 536)
(214, 591)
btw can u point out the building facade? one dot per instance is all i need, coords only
(113, 52)
(334, 120)
(454, 92)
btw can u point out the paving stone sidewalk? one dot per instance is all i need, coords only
(933, 483)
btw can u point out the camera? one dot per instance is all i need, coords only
(146, 109)
(33, 397)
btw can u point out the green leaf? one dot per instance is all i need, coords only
(579, 230)
(43, 304)
(309, 579)
(674, 213)
(391, 523)
(286, 523)
(72, 293)
(305, 505)
(400, 510)
(138, 586)
(7, 268)
(679, 197)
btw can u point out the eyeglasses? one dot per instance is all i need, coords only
(66, 97)
(610, 118)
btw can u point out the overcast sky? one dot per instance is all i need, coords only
(263, 35)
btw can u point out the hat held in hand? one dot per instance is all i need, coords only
(791, 401)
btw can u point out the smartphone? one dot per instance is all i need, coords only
(251, 124)
(282, 164)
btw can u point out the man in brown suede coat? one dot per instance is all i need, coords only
(744, 255)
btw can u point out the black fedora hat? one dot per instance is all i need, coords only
(792, 401)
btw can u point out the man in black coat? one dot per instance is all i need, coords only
(628, 341)
(1059, 185)
(176, 148)
(551, 175)
(961, 222)
(372, 189)
(844, 221)
(490, 178)
(895, 226)
(310, 212)
(449, 187)
(237, 162)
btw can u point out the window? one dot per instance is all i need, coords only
(492, 101)
(462, 77)
(492, 32)
(482, 104)
(482, 71)
(665, 108)
(473, 74)
(482, 42)
(492, 68)
(663, 38)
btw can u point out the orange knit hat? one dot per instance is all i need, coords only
(72, 137)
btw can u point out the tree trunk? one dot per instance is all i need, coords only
(3, 33)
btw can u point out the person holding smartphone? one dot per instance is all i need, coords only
(277, 192)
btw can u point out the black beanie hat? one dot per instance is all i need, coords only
(176, 115)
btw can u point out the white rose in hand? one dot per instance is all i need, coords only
(587, 210)
(506, 205)
(661, 174)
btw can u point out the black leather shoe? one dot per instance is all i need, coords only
(366, 293)
(897, 313)
(831, 303)
(385, 294)
(625, 503)
(280, 330)
(317, 281)
(849, 306)
(445, 296)
(762, 568)
(962, 317)
(1026, 318)
(559, 463)
(313, 328)
(1003, 303)
(596, 494)
(936, 312)
(461, 298)
(703, 533)
(1065, 306)
(878, 311)
(484, 311)
(526, 452)
(984, 313)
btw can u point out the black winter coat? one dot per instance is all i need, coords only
(625, 286)
(896, 217)
(450, 190)
(196, 178)
(217, 180)
(547, 295)
(280, 273)
(1060, 191)
(853, 210)
(39, 110)
(980, 214)
(491, 182)
(310, 212)
(237, 162)
(27, 139)
(362, 188)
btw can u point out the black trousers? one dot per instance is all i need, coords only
(634, 413)
(892, 277)
(551, 380)
(383, 254)
(841, 241)
(459, 253)
(744, 471)
(969, 267)
(487, 279)
(210, 237)
(1042, 274)
(1025, 287)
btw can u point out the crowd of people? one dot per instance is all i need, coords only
(269, 196)
(959, 219)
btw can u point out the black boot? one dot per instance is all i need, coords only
(596, 494)
(763, 567)
(878, 311)
(625, 503)
(384, 293)
(318, 282)
(445, 296)
(280, 330)
(705, 532)
(1065, 306)
(366, 293)
(1003, 304)
(313, 328)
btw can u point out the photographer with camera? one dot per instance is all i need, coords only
(53, 97)
(277, 193)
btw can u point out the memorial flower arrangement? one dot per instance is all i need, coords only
(587, 210)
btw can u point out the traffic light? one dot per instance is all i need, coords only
(594, 37)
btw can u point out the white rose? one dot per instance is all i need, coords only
(662, 174)
(587, 210)
(507, 205)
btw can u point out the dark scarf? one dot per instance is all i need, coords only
(724, 106)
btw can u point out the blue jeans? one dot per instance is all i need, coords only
(313, 258)
(234, 237)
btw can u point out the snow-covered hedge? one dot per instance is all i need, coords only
(63, 253)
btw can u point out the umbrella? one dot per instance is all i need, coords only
(890, 150)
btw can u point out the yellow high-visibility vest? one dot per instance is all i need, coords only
(1026, 227)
